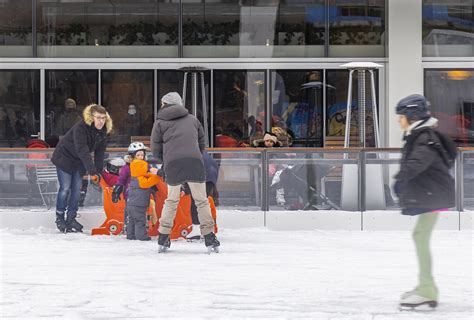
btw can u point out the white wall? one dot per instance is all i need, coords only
(405, 72)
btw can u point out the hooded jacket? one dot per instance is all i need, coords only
(73, 152)
(140, 183)
(177, 140)
(424, 178)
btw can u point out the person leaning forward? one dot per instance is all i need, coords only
(72, 158)
(177, 140)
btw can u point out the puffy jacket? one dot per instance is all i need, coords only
(139, 190)
(177, 140)
(73, 152)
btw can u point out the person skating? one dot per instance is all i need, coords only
(424, 186)
(177, 140)
(72, 158)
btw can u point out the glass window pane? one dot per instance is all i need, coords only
(297, 100)
(268, 28)
(124, 92)
(239, 106)
(336, 96)
(452, 102)
(448, 28)
(357, 28)
(15, 28)
(19, 106)
(68, 92)
(102, 28)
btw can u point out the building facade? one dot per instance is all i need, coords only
(269, 64)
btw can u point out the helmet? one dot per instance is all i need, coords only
(414, 107)
(113, 165)
(136, 146)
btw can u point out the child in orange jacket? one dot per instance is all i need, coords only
(139, 191)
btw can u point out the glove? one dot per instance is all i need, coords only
(154, 188)
(95, 179)
(397, 188)
(116, 193)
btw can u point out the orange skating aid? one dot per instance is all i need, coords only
(114, 213)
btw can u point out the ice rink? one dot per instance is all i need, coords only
(259, 273)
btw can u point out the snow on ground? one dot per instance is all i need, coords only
(258, 274)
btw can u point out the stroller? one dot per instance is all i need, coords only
(302, 179)
(114, 212)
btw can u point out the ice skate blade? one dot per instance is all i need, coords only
(424, 306)
(194, 239)
(212, 249)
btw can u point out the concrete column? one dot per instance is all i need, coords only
(405, 72)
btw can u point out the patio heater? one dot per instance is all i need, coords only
(197, 73)
(361, 68)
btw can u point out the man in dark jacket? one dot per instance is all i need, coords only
(424, 187)
(72, 158)
(177, 140)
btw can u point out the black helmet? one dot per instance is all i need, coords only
(414, 107)
(113, 165)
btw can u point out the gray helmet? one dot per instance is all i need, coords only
(414, 107)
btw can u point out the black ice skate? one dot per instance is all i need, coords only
(212, 244)
(164, 242)
(73, 225)
(415, 302)
(60, 222)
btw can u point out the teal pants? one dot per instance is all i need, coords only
(421, 236)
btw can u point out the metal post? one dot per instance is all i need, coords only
(42, 105)
(361, 108)
(324, 108)
(348, 112)
(185, 83)
(362, 181)
(204, 110)
(374, 111)
(155, 95)
(264, 190)
(194, 97)
(212, 107)
(460, 182)
(34, 29)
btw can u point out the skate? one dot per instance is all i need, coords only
(164, 242)
(280, 197)
(195, 234)
(212, 244)
(73, 225)
(412, 301)
(60, 222)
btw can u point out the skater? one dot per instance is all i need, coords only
(424, 187)
(72, 158)
(143, 178)
(177, 140)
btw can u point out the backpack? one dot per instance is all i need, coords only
(445, 146)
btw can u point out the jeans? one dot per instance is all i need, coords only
(69, 192)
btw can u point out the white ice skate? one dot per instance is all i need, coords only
(195, 234)
(280, 197)
(412, 301)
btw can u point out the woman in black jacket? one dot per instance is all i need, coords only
(72, 158)
(424, 186)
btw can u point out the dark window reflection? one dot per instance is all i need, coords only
(336, 96)
(360, 24)
(19, 107)
(297, 100)
(68, 92)
(239, 106)
(452, 102)
(15, 28)
(253, 28)
(128, 97)
(448, 28)
(107, 28)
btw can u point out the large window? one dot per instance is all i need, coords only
(101, 28)
(67, 93)
(357, 28)
(239, 106)
(448, 28)
(336, 96)
(128, 97)
(15, 28)
(452, 102)
(253, 28)
(297, 100)
(19, 107)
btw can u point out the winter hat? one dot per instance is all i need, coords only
(414, 107)
(270, 136)
(172, 98)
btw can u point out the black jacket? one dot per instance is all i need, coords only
(424, 180)
(73, 152)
